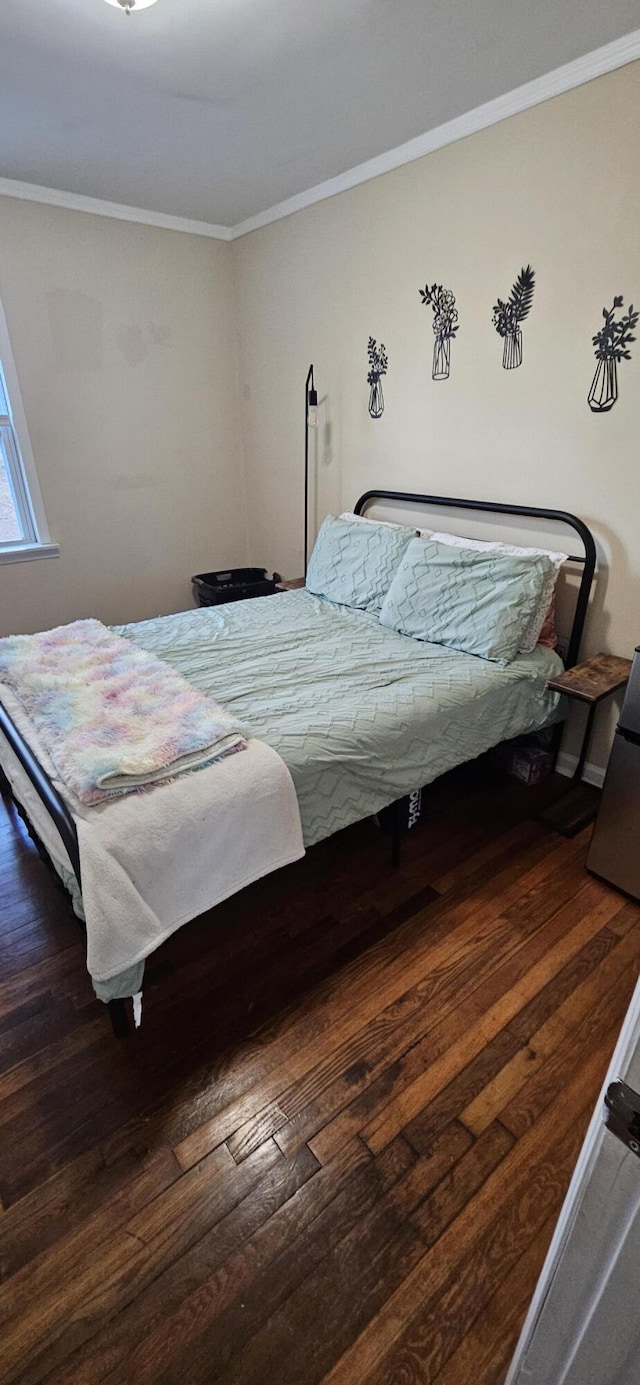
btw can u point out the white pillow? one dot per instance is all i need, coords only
(532, 632)
(388, 524)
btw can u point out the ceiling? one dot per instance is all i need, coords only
(216, 110)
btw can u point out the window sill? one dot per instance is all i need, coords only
(27, 551)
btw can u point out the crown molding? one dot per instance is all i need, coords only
(75, 202)
(562, 79)
(573, 74)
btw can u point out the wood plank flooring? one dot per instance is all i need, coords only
(337, 1148)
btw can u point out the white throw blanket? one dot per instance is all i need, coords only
(152, 861)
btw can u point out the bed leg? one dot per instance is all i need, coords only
(556, 739)
(119, 1018)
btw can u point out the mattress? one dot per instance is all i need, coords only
(360, 714)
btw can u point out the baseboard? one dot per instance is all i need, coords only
(591, 774)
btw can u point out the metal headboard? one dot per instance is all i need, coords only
(588, 561)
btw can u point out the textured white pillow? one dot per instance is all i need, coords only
(388, 524)
(532, 632)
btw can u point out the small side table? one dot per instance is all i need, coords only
(291, 584)
(590, 682)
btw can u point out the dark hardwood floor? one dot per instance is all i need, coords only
(337, 1148)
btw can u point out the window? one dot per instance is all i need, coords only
(17, 525)
(23, 528)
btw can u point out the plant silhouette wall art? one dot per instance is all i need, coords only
(378, 363)
(445, 326)
(507, 317)
(612, 344)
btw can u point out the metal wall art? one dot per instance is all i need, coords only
(378, 363)
(508, 316)
(612, 344)
(445, 325)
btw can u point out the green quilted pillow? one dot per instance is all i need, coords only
(354, 564)
(479, 602)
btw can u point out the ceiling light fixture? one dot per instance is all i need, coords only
(129, 5)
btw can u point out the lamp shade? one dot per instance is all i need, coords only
(312, 409)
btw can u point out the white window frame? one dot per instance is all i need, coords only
(23, 479)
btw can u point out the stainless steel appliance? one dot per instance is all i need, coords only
(614, 853)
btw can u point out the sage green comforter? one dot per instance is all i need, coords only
(360, 714)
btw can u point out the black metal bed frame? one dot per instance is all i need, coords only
(55, 804)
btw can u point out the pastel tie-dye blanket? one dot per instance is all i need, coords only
(113, 717)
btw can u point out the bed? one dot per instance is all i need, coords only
(360, 714)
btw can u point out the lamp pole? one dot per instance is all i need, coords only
(310, 421)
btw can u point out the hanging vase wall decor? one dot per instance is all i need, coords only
(378, 362)
(445, 325)
(612, 344)
(508, 316)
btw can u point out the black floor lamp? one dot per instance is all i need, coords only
(310, 421)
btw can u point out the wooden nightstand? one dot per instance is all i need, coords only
(291, 584)
(590, 682)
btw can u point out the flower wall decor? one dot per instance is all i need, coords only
(445, 325)
(612, 344)
(378, 363)
(508, 316)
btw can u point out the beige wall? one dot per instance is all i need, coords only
(559, 187)
(124, 342)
